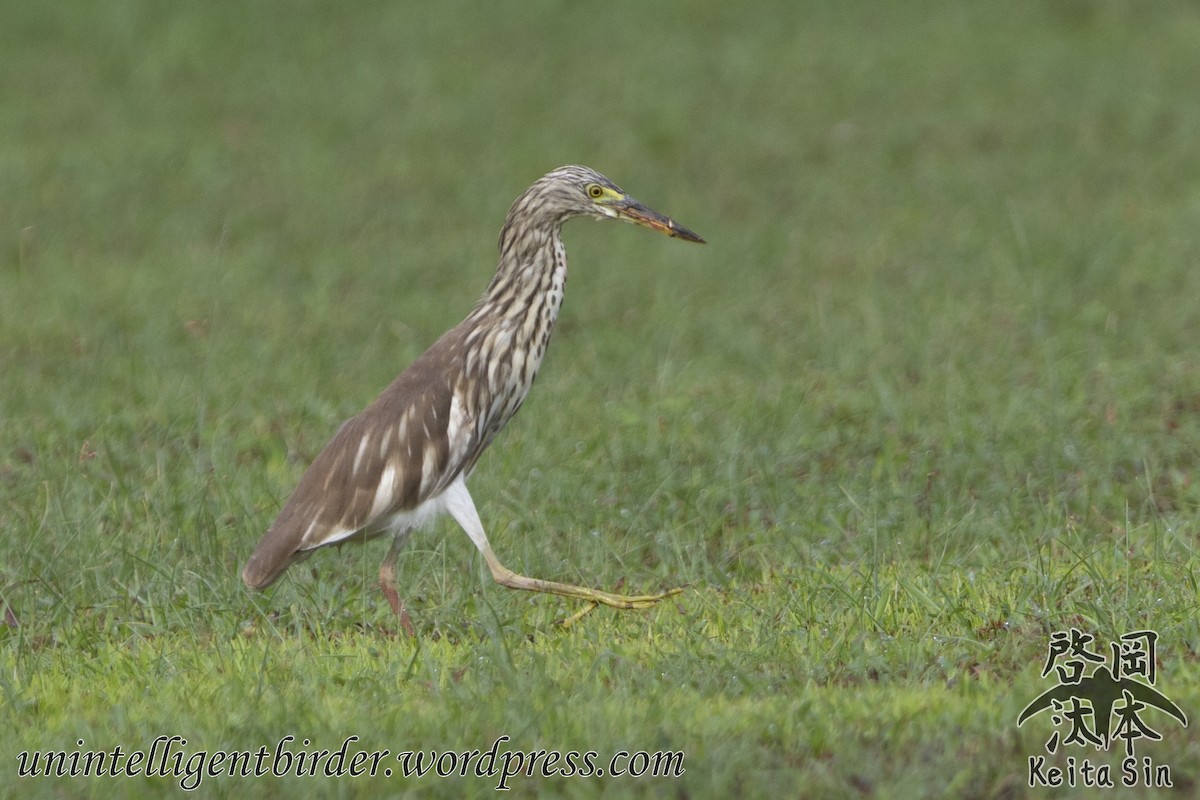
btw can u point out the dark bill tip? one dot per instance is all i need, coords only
(638, 213)
(680, 232)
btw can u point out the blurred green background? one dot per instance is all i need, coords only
(928, 394)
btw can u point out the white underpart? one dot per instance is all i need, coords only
(397, 523)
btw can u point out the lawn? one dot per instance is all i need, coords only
(929, 395)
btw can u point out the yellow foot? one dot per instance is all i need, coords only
(595, 598)
(627, 602)
(578, 615)
(506, 577)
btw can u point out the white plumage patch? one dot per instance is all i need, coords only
(428, 466)
(362, 448)
(456, 431)
(309, 531)
(518, 361)
(334, 536)
(384, 492)
(405, 520)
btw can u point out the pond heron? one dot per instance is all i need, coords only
(405, 459)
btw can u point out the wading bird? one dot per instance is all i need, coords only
(406, 458)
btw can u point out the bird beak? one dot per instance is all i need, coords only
(629, 209)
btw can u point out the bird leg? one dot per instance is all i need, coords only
(462, 508)
(387, 582)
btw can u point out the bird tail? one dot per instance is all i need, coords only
(277, 550)
(263, 568)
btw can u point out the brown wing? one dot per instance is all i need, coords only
(403, 449)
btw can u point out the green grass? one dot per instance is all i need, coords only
(929, 393)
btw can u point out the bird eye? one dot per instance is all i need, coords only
(595, 191)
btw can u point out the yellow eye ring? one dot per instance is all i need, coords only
(595, 191)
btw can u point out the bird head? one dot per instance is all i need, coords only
(581, 191)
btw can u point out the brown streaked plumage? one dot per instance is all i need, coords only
(405, 458)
